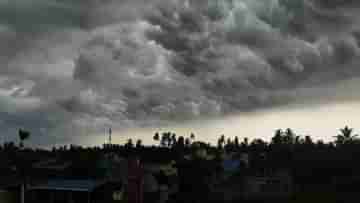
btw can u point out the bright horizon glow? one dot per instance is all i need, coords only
(320, 121)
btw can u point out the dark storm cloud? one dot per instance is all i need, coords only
(33, 15)
(98, 63)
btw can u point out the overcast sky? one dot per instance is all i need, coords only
(70, 68)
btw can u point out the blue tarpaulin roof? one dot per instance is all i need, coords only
(231, 165)
(67, 185)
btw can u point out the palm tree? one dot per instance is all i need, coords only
(139, 143)
(23, 135)
(229, 145)
(245, 142)
(221, 141)
(156, 137)
(163, 141)
(308, 140)
(289, 136)
(173, 139)
(181, 142)
(258, 144)
(129, 143)
(21, 165)
(346, 136)
(229, 141)
(166, 139)
(320, 144)
(192, 136)
(278, 137)
(236, 142)
(187, 142)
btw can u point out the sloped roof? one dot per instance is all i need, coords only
(231, 165)
(67, 185)
(53, 164)
(9, 181)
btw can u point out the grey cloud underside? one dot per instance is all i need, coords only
(71, 65)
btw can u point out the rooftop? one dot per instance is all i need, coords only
(9, 181)
(67, 185)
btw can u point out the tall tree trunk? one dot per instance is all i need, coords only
(22, 193)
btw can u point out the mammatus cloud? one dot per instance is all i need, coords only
(74, 65)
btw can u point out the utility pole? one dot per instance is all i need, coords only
(110, 132)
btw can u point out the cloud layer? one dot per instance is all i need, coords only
(74, 65)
